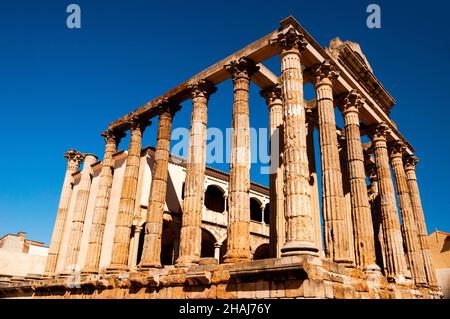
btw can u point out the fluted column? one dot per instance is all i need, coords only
(79, 212)
(151, 253)
(124, 220)
(337, 244)
(112, 139)
(375, 207)
(191, 232)
(394, 253)
(419, 217)
(409, 227)
(74, 158)
(273, 97)
(364, 244)
(238, 243)
(347, 196)
(311, 123)
(300, 233)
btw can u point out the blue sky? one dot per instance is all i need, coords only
(59, 88)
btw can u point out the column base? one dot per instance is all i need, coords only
(295, 248)
(235, 256)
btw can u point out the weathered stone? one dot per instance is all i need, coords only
(74, 158)
(337, 243)
(395, 257)
(120, 251)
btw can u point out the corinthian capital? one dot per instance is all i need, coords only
(410, 162)
(325, 70)
(138, 124)
(290, 39)
(397, 149)
(202, 88)
(352, 102)
(167, 107)
(242, 68)
(271, 94)
(74, 159)
(380, 132)
(112, 136)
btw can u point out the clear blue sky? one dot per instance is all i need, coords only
(59, 88)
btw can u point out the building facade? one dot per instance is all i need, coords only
(439, 242)
(21, 258)
(123, 232)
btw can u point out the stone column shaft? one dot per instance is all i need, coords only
(79, 213)
(337, 243)
(347, 197)
(364, 244)
(151, 254)
(124, 220)
(300, 233)
(217, 251)
(74, 159)
(375, 202)
(273, 96)
(191, 231)
(311, 119)
(419, 217)
(102, 202)
(134, 253)
(238, 243)
(394, 253)
(409, 227)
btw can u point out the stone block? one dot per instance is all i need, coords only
(246, 290)
(313, 288)
(262, 289)
(226, 291)
(293, 288)
(277, 289)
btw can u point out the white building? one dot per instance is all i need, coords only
(20, 257)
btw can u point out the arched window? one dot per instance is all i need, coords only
(262, 252)
(214, 199)
(208, 242)
(255, 210)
